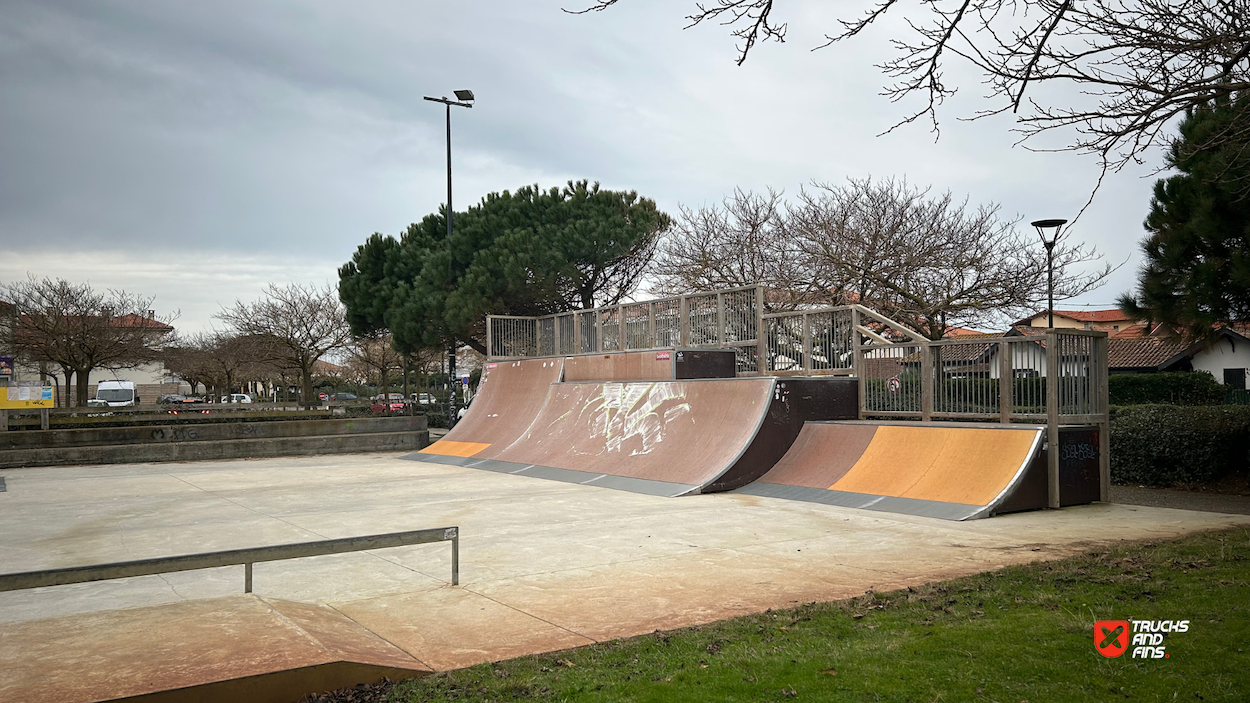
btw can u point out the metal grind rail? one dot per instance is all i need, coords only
(235, 557)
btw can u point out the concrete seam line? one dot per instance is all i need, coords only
(513, 607)
(254, 510)
(379, 636)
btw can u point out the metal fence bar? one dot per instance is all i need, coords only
(234, 557)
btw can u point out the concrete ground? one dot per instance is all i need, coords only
(544, 565)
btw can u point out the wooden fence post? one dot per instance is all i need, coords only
(1006, 382)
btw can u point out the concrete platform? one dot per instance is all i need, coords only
(544, 565)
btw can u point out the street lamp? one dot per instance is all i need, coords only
(464, 98)
(1042, 226)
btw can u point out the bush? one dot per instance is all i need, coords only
(1165, 445)
(1185, 388)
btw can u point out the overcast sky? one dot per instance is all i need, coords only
(197, 151)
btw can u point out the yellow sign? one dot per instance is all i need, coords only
(20, 397)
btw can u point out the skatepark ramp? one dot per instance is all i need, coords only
(955, 427)
(659, 437)
(954, 471)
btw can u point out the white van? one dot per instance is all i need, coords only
(236, 398)
(115, 394)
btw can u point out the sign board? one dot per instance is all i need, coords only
(22, 397)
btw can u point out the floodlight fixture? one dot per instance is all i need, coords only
(464, 95)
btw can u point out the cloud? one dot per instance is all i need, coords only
(199, 142)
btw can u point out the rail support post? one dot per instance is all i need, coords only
(247, 577)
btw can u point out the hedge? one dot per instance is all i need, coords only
(1165, 445)
(1184, 388)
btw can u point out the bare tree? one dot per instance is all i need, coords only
(81, 330)
(743, 241)
(292, 327)
(1137, 63)
(930, 261)
(927, 261)
(375, 355)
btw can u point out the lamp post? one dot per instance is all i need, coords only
(1042, 226)
(464, 98)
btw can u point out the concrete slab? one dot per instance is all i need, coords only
(122, 653)
(544, 565)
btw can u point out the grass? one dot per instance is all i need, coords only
(1018, 634)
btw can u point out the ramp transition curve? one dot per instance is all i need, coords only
(662, 437)
(954, 471)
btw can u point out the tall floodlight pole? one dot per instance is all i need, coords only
(464, 98)
(1042, 226)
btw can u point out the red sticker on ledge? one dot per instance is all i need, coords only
(661, 356)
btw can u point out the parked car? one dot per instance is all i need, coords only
(393, 402)
(171, 398)
(236, 398)
(345, 396)
(423, 399)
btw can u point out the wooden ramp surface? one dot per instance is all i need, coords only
(664, 438)
(951, 471)
(509, 398)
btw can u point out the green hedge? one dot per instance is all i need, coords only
(1164, 445)
(1186, 388)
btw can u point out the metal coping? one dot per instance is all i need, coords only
(737, 379)
(234, 557)
(586, 478)
(930, 423)
(865, 501)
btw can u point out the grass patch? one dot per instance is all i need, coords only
(1022, 633)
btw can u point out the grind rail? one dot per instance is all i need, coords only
(235, 557)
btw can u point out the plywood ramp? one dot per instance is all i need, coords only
(955, 471)
(509, 398)
(684, 432)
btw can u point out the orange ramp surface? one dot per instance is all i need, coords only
(951, 471)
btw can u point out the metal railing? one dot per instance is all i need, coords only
(723, 319)
(234, 557)
(1058, 375)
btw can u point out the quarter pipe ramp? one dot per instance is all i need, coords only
(952, 471)
(661, 437)
(510, 396)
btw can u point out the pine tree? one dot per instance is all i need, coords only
(528, 252)
(1197, 271)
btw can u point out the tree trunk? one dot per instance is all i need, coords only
(84, 375)
(67, 376)
(407, 392)
(306, 375)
